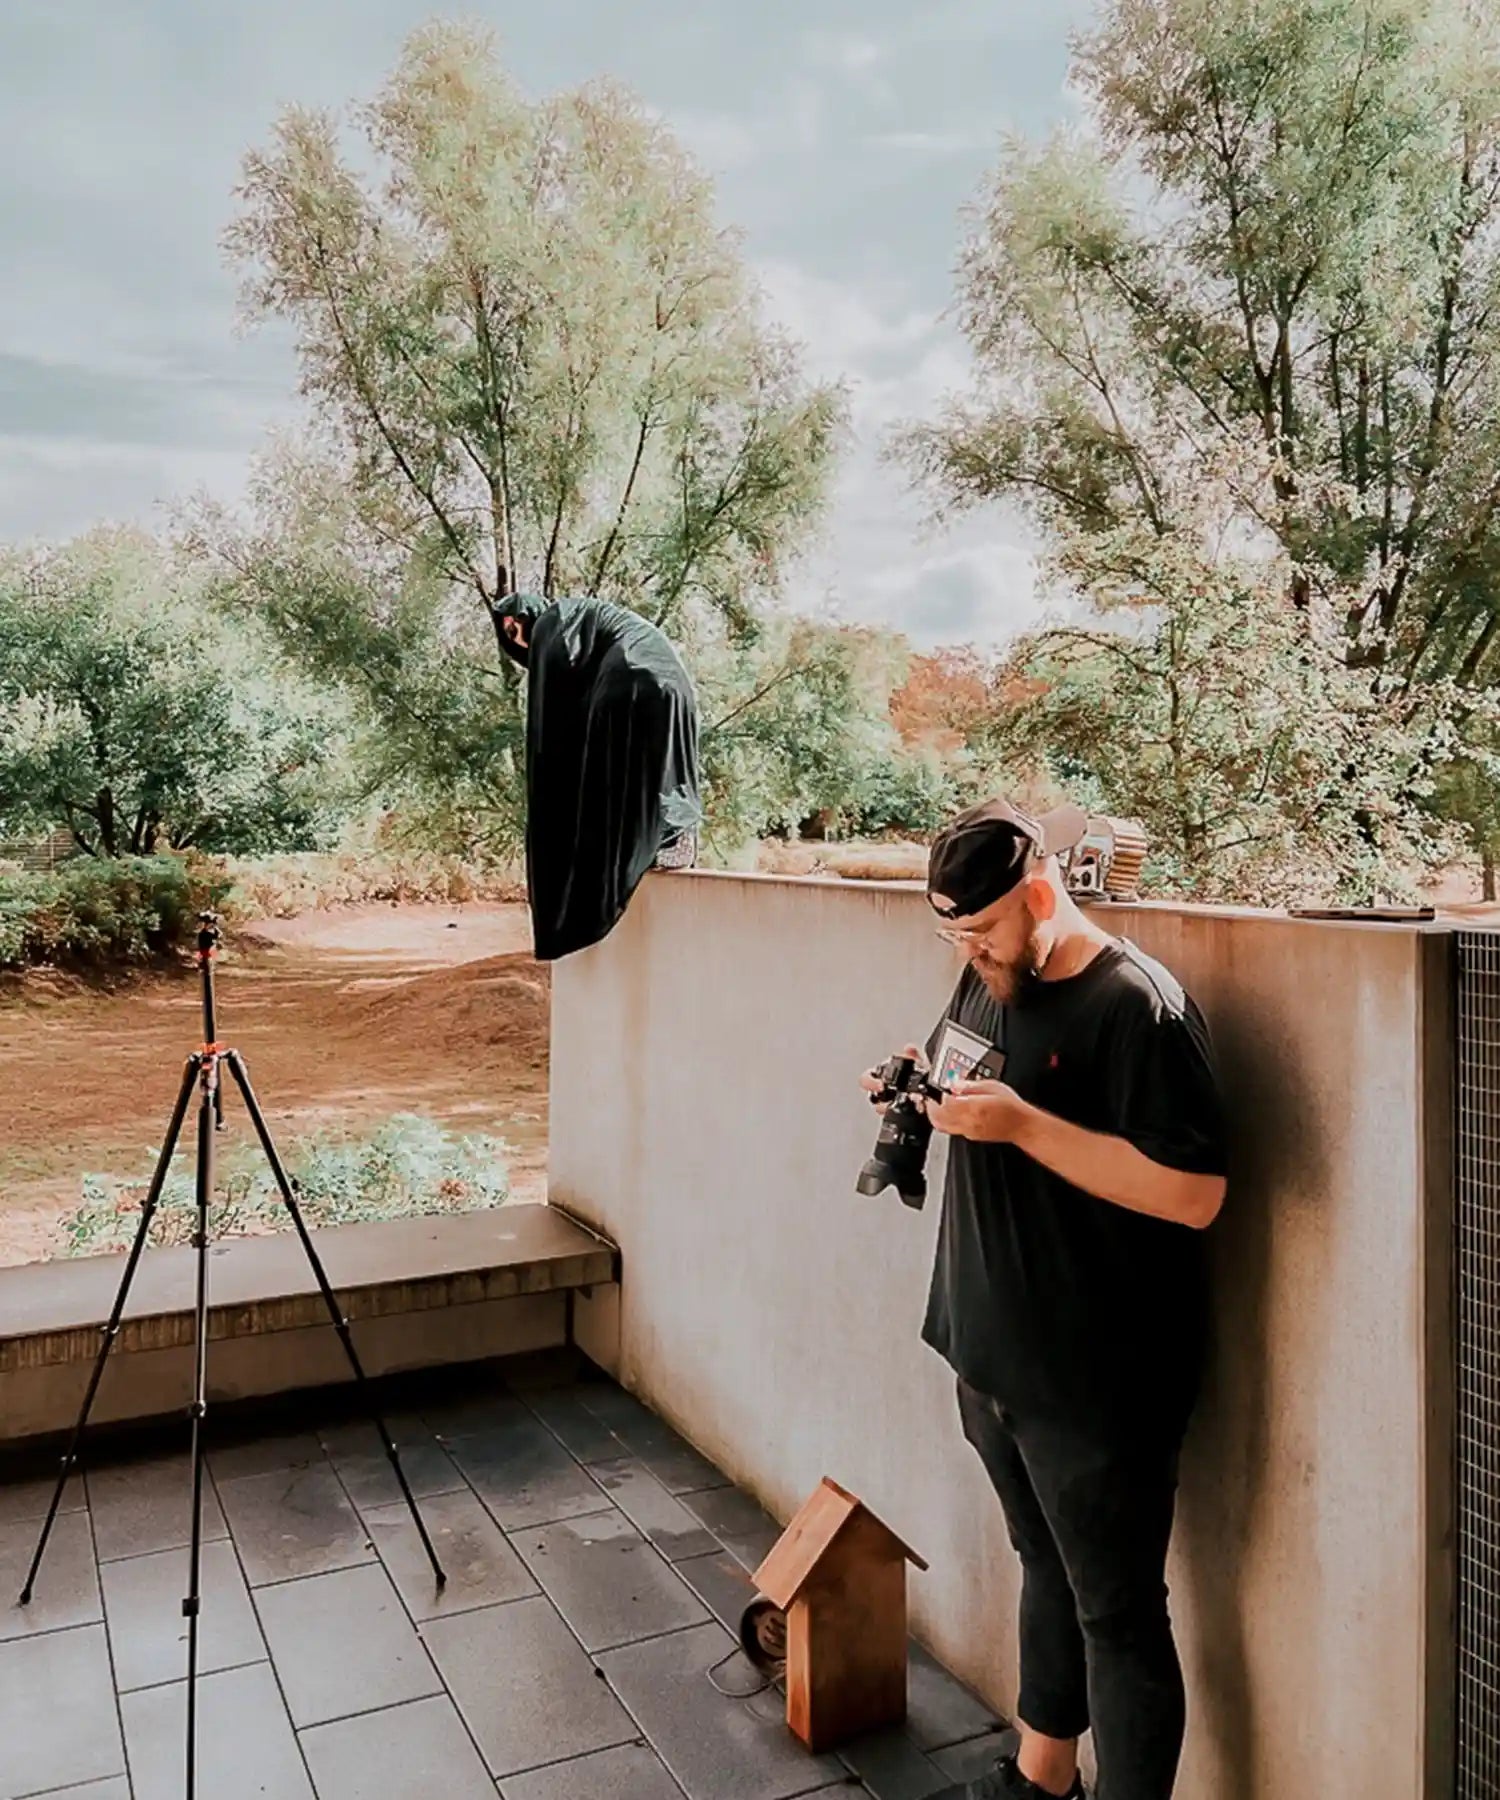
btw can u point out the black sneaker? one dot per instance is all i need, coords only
(1005, 1782)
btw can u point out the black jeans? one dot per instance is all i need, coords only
(1089, 1510)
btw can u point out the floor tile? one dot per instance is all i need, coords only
(527, 1692)
(473, 1412)
(414, 1752)
(722, 1582)
(294, 1522)
(58, 1724)
(22, 1500)
(365, 1470)
(892, 1767)
(142, 1507)
(717, 1748)
(669, 1457)
(740, 1524)
(342, 1644)
(961, 1762)
(607, 1581)
(524, 1475)
(246, 1748)
(633, 1772)
(481, 1566)
(648, 1506)
(116, 1788)
(67, 1584)
(582, 1434)
(147, 1633)
(940, 1709)
(241, 1457)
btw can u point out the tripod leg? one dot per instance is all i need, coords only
(330, 1300)
(111, 1330)
(208, 1108)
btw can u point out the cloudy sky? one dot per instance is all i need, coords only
(844, 136)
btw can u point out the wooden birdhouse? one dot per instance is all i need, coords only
(839, 1576)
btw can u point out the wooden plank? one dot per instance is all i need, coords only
(805, 1542)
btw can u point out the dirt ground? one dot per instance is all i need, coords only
(349, 1015)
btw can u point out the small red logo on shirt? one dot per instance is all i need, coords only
(1052, 1060)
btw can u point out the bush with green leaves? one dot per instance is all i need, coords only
(141, 719)
(97, 915)
(409, 1166)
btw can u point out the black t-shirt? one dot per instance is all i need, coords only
(1048, 1299)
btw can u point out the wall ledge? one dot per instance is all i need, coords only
(1106, 910)
(53, 1312)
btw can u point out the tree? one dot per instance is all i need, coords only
(792, 723)
(535, 362)
(1285, 220)
(132, 716)
(1264, 768)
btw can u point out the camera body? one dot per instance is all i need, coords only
(899, 1158)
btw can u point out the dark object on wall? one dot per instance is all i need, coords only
(611, 761)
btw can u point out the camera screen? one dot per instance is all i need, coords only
(964, 1056)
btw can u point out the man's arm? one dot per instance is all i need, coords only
(989, 1112)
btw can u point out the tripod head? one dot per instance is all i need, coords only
(209, 933)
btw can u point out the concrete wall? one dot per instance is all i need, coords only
(705, 1116)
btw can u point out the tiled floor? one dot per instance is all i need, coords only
(594, 1561)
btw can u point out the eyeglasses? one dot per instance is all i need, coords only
(960, 935)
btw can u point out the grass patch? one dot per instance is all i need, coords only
(407, 1167)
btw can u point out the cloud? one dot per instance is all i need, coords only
(857, 60)
(56, 489)
(934, 143)
(880, 559)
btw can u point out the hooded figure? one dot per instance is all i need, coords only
(611, 761)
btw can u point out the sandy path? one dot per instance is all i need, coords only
(351, 1015)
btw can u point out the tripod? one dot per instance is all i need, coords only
(203, 1072)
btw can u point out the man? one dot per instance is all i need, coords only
(1069, 1289)
(611, 761)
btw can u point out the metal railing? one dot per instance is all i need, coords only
(1477, 1297)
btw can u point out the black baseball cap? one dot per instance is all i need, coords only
(985, 852)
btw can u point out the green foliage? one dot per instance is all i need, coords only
(139, 719)
(97, 915)
(1283, 226)
(1237, 351)
(408, 1166)
(906, 793)
(795, 723)
(1264, 769)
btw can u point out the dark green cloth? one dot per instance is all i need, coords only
(611, 761)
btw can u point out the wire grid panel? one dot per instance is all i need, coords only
(1478, 1328)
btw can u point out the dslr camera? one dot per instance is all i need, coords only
(899, 1159)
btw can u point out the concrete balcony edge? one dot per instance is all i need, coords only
(418, 1292)
(54, 1312)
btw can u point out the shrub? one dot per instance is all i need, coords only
(97, 914)
(280, 887)
(408, 1166)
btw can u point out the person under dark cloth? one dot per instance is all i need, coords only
(612, 786)
(1069, 1291)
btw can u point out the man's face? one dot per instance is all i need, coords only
(1004, 943)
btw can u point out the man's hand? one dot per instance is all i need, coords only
(870, 1082)
(988, 1112)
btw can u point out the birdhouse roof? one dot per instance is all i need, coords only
(830, 1525)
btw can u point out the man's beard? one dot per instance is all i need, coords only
(1010, 982)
